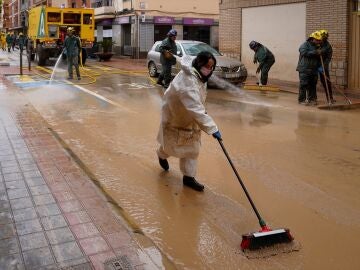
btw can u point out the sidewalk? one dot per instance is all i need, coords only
(52, 215)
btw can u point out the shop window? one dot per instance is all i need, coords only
(356, 5)
(54, 17)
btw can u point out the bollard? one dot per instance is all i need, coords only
(21, 64)
(29, 52)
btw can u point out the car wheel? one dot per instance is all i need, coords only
(153, 70)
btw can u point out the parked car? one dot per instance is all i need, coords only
(226, 68)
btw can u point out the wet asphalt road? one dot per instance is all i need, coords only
(300, 164)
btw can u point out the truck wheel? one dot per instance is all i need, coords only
(83, 56)
(41, 55)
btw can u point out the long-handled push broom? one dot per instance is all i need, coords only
(266, 236)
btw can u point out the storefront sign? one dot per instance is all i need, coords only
(198, 21)
(122, 20)
(164, 20)
(105, 22)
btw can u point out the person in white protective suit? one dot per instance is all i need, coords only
(183, 116)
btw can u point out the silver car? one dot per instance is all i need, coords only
(226, 68)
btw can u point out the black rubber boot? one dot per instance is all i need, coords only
(192, 183)
(164, 164)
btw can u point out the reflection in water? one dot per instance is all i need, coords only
(261, 116)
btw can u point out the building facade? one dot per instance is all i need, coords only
(283, 25)
(15, 17)
(134, 25)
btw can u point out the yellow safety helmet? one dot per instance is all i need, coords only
(324, 33)
(70, 29)
(316, 35)
(20, 34)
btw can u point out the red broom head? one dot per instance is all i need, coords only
(265, 237)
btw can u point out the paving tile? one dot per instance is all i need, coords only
(59, 186)
(5, 218)
(21, 203)
(4, 206)
(7, 231)
(24, 214)
(7, 157)
(12, 169)
(12, 177)
(133, 255)
(6, 152)
(48, 210)
(3, 195)
(33, 241)
(35, 181)
(95, 202)
(85, 192)
(9, 246)
(28, 167)
(38, 258)
(8, 163)
(53, 222)
(34, 173)
(71, 206)
(106, 223)
(85, 230)
(28, 226)
(59, 236)
(26, 161)
(15, 184)
(119, 239)
(21, 149)
(94, 245)
(11, 262)
(46, 267)
(18, 193)
(78, 264)
(67, 251)
(77, 217)
(98, 260)
(43, 199)
(62, 196)
(39, 190)
(23, 155)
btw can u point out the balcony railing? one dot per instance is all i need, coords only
(101, 3)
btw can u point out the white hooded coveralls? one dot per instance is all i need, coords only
(182, 119)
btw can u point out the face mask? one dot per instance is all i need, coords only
(205, 71)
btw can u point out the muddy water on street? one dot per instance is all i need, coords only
(300, 164)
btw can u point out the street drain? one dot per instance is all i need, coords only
(118, 263)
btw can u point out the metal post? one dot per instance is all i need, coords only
(21, 64)
(138, 36)
(29, 52)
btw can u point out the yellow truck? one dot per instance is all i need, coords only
(47, 30)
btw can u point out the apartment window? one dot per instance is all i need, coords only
(356, 5)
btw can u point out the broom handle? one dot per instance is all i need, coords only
(261, 221)
(326, 83)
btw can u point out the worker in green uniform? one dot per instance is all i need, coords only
(265, 58)
(167, 51)
(22, 41)
(9, 41)
(309, 62)
(326, 53)
(72, 47)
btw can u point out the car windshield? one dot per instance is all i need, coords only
(194, 48)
